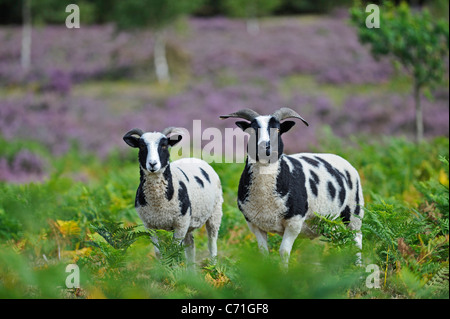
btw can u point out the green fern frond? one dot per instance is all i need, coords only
(439, 283)
(117, 236)
(171, 250)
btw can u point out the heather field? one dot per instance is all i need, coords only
(67, 179)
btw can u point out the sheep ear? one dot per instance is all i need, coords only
(132, 137)
(174, 139)
(243, 125)
(286, 126)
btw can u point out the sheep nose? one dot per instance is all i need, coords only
(152, 164)
(267, 149)
(264, 146)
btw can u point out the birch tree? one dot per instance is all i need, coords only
(25, 53)
(157, 15)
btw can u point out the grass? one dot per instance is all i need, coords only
(46, 226)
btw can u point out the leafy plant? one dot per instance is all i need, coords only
(171, 250)
(416, 40)
(439, 284)
(118, 240)
(118, 237)
(334, 231)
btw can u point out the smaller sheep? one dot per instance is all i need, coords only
(180, 196)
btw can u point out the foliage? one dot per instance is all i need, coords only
(416, 40)
(118, 237)
(317, 6)
(250, 9)
(155, 13)
(440, 282)
(334, 231)
(405, 232)
(54, 11)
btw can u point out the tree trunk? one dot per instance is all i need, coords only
(25, 57)
(253, 26)
(160, 60)
(252, 18)
(419, 114)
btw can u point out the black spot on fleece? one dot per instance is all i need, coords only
(183, 198)
(294, 184)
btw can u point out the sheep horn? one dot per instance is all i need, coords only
(285, 113)
(170, 130)
(135, 131)
(246, 114)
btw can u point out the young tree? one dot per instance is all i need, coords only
(156, 14)
(416, 40)
(251, 10)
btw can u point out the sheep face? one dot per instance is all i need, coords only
(153, 149)
(265, 144)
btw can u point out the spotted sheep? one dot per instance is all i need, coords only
(277, 192)
(180, 196)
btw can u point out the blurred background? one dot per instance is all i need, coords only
(152, 64)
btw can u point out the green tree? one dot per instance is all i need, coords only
(156, 14)
(251, 10)
(416, 40)
(54, 11)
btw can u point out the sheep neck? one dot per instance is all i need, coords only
(263, 180)
(262, 206)
(157, 186)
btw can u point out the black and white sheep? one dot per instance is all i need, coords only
(278, 192)
(180, 196)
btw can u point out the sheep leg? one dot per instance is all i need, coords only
(155, 240)
(185, 238)
(212, 231)
(189, 249)
(355, 224)
(261, 237)
(291, 232)
(358, 240)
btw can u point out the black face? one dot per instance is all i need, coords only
(152, 161)
(143, 152)
(153, 149)
(163, 151)
(265, 143)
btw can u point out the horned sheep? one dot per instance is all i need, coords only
(277, 192)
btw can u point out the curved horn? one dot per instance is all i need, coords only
(131, 139)
(135, 131)
(246, 114)
(285, 113)
(170, 130)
